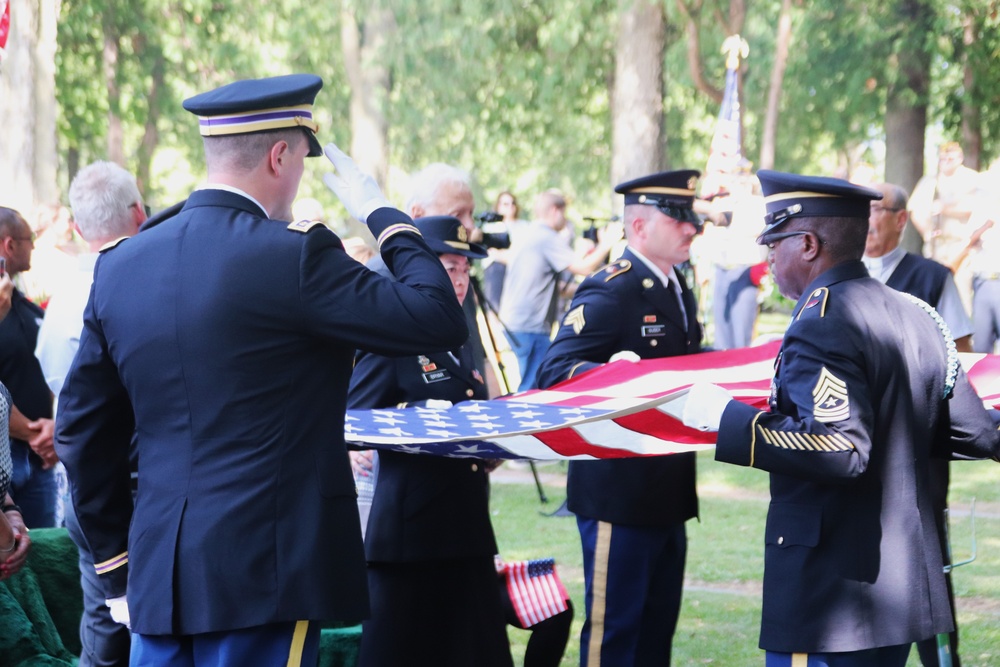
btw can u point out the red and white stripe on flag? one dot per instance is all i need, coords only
(637, 410)
(535, 590)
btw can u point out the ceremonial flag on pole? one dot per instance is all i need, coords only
(622, 409)
(726, 151)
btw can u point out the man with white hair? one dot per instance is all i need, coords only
(107, 209)
(443, 189)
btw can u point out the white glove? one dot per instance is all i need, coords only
(437, 404)
(357, 191)
(704, 407)
(119, 611)
(627, 355)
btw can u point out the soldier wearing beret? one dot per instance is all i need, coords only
(222, 338)
(631, 512)
(867, 387)
(429, 542)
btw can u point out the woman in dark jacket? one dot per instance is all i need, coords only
(429, 541)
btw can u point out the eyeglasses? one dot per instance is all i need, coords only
(772, 240)
(30, 239)
(879, 209)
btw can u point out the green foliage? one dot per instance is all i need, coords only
(514, 91)
(518, 91)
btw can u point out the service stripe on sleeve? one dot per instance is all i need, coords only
(111, 563)
(392, 230)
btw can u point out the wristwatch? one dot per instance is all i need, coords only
(10, 508)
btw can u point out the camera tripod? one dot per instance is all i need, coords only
(485, 307)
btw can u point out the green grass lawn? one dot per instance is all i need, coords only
(721, 611)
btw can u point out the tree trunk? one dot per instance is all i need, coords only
(637, 97)
(906, 106)
(694, 51)
(46, 171)
(28, 160)
(972, 130)
(151, 134)
(116, 133)
(370, 77)
(768, 141)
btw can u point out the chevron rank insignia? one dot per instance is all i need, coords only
(304, 225)
(830, 401)
(574, 318)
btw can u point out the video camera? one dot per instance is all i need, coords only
(591, 232)
(495, 233)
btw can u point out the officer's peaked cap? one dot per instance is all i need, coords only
(446, 235)
(670, 191)
(788, 196)
(258, 105)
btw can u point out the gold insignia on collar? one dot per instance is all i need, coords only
(304, 226)
(647, 282)
(574, 318)
(830, 400)
(463, 234)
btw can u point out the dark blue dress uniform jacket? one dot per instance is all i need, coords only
(425, 507)
(851, 557)
(625, 307)
(226, 341)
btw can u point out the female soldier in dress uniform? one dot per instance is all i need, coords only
(429, 541)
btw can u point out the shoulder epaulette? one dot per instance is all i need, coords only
(304, 226)
(611, 270)
(113, 244)
(162, 216)
(817, 299)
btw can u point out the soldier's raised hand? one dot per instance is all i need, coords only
(357, 191)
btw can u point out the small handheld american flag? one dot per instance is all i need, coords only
(535, 590)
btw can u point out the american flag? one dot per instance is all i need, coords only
(535, 590)
(621, 409)
(726, 150)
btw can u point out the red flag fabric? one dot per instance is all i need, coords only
(535, 590)
(618, 410)
(4, 22)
